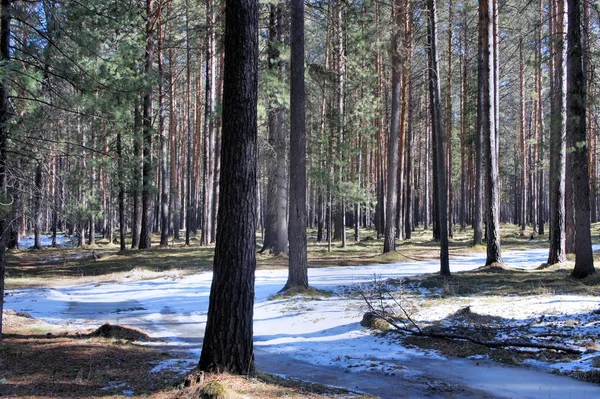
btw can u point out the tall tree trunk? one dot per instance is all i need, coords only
(164, 139)
(389, 243)
(147, 170)
(557, 252)
(540, 125)
(121, 178)
(449, 119)
(137, 177)
(576, 134)
(298, 274)
(486, 121)
(276, 227)
(484, 71)
(464, 89)
(191, 198)
(228, 338)
(209, 134)
(175, 191)
(522, 141)
(5, 18)
(438, 134)
(37, 198)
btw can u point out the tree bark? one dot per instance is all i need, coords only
(486, 122)
(298, 274)
(438, 135)
(164, 140)
(557, 252)
(577, 132)
(389, 243)
(228, 344)
(276, 225)
(209, 134)
(5, 18)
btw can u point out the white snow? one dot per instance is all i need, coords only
(319, 331)
(62, 240)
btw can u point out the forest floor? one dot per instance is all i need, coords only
(39, 359)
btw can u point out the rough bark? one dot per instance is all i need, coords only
(164, 141)
(298, 274)
(276, 225)
(209, 134)
(576, 131)
(438, 136)
(557, 252)
(136, 178)
(228, 344)
(147, 169)
(5, 17)
(489, 130)
(391, 202)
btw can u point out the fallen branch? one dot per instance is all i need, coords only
(409, 325)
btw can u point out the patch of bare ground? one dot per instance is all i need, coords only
(41, 360)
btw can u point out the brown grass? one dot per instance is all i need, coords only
(39, 360)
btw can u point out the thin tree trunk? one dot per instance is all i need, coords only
(522, 141)
(487, 122)
(5, 18)
(164, 139)
(209, 138)
(540, 126)
(557, 252)
(389, 243)
(438, 133)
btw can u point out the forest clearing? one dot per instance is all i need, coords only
(317, 338)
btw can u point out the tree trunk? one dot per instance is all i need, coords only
(37, 196)
(576, 135)
(557, 252)
(121, 178)
(298, 274)
(164, 140)
(486, 121)
(438, 135)
(522, 141)
(540, 123)
(5, 17)
(137, 177)
(147, 170)
(389, 243)
(228, 344)
(276, 226)
(209, 138)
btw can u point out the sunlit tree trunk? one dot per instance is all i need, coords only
(298, 272)
(558, 103)
(389, 243)
(576, 133)
(228, 340)
(438, 136)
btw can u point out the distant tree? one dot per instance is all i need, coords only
(276, 223)
(228, 344)
(298, 274)
(147, 116)
(576, 134)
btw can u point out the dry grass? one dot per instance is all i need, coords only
(39, 360)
